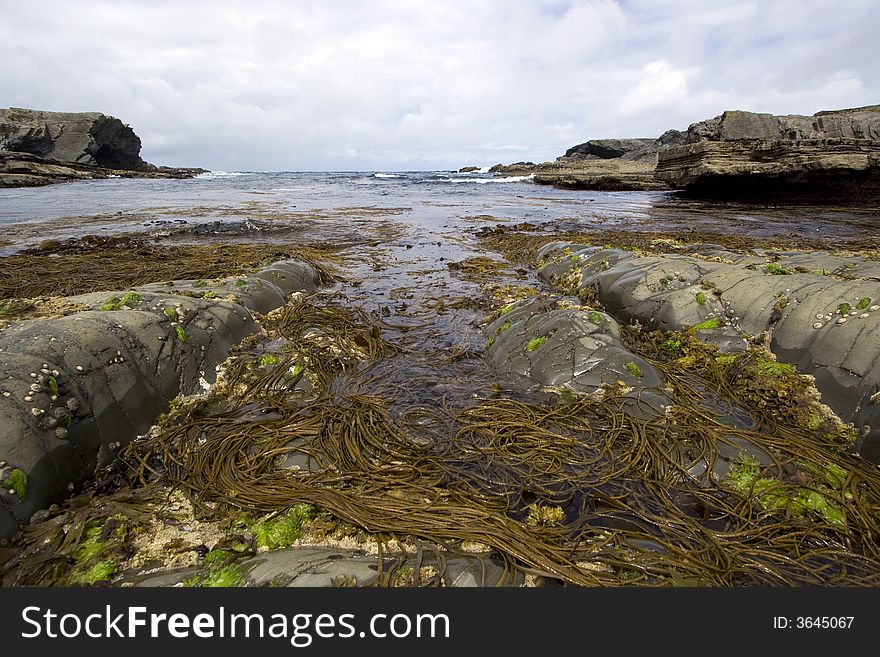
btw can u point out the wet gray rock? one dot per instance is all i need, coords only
(315, 566)
(828, 327)
(572, 347)
(75, 390)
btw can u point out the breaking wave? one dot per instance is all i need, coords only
(483, 181)
(220, 174)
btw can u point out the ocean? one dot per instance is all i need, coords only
(431, 199)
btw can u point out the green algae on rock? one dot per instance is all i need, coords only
(535, 343)
(16, 481)
(284, 529)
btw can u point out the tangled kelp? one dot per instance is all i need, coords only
(640, 502)
(108, 263)
(634, 511)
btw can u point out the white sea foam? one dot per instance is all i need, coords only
(385, 175)
(220, 174)
(483, 181)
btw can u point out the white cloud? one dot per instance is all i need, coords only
(305, 84)
(660, 85)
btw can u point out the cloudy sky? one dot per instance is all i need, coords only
(410, 84)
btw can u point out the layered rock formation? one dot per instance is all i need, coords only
(857, 123)
(828, 157)
(38, 148)
(609, 149)
(75, 137)
(611, 165)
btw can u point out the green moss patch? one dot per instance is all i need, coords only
(112, 303)
(634, 370)
(115, 303)
(97, 572)
(269, 360)
(283, 530)
(171, 313)
(701, 298)
(671, 345)
(863, 304)
(535, 343)
(776, 270)
(91, 558)
(229, 576)
(709, 325)
(17, 481)
(220, 557)
(90, 544)
(771, 494)
(774, 368)
(181, 333)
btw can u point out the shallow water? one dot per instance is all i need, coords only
(432, 200)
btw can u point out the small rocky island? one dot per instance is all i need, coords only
(829, 157)
(40, 148)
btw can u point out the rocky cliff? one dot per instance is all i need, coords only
(857, 123)
(827, 157)
(75, 137)
(38, 148)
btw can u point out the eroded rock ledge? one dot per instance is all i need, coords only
(831, 157)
